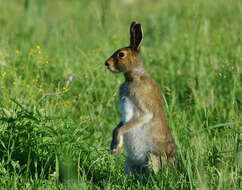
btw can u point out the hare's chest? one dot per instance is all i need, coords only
(127, 108)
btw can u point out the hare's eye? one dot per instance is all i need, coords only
(121, 54)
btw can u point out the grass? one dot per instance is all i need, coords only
(58, 103)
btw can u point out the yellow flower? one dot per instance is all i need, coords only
(65, 103)
(2, 53)
(64, 89)
(4, 74)
(81, 117)
(17, 52)
(38, 47)
(46, 62)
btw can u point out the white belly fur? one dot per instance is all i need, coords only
(127, 109)
(135, 141)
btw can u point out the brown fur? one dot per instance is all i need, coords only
(146, 109)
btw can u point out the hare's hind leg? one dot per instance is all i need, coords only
(171, 154)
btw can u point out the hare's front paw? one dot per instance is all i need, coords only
(114, 146)
(114, 151)
(117, 142)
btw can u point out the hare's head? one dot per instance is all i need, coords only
(128, 58)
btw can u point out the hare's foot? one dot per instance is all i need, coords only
(154, 163)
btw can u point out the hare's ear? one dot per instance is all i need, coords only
(136, 35)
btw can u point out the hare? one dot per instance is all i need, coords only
(143, 128)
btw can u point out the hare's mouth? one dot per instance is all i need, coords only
(113, 70)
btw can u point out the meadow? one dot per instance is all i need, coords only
(58, 102)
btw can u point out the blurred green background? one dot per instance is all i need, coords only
(58, 103)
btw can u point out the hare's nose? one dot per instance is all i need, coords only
(106, 63)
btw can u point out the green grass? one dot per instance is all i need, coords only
(58, 103)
